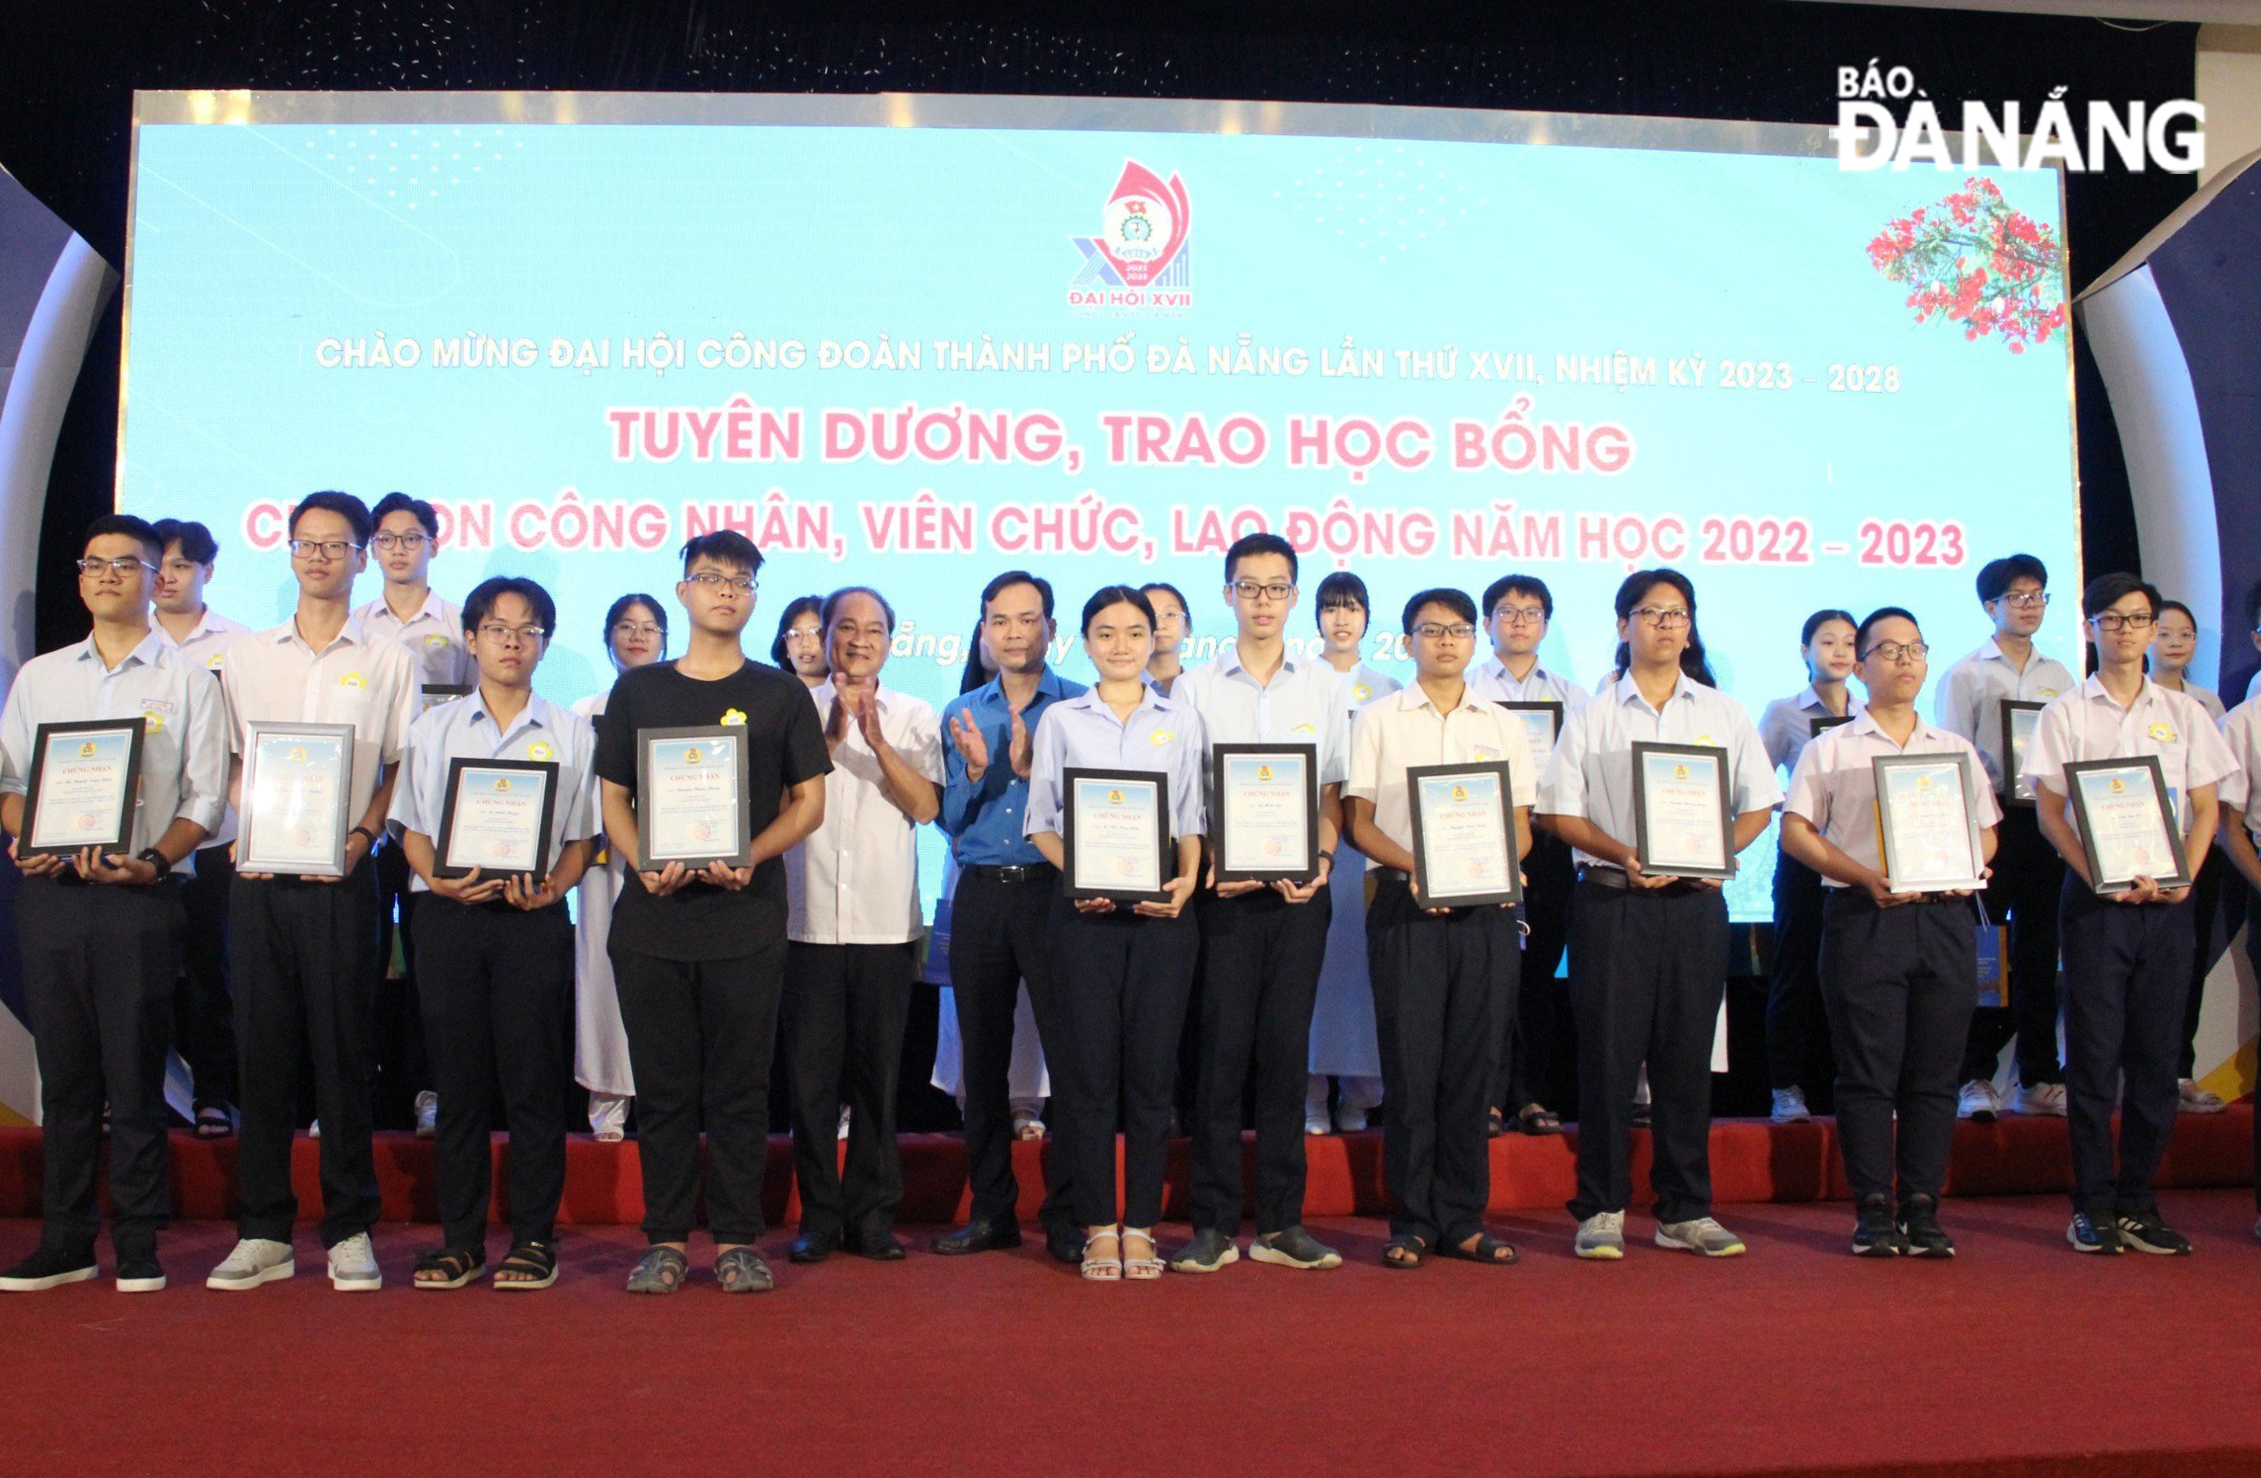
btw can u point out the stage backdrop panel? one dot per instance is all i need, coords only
(916, 340)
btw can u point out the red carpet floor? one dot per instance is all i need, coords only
(2017, 1359)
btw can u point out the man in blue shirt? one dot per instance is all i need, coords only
(997, 918)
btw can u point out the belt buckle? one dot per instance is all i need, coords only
(1012, 873)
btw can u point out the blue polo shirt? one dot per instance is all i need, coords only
(984, 820)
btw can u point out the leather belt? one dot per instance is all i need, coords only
(1035, 872)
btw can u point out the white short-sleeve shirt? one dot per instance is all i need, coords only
(464, 729)
(855, 879)
(1302, 704)
(1834, 786)
(2240, 729)
(358, 679)
(1491, 679)
(206, 647)
(1406, 729)
(1162, 734)
(1787, 725)
(433, 636)
(2087, 724)
(1970, 699)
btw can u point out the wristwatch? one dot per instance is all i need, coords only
(155, 859)
(366, 834)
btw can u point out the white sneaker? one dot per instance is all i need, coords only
(1316, 1123)
(608, 1117)
(427, 1115)
(1601, 1237)
(353, 1266)
(1978, 1103)
(1702, 1236)
(254, 1261)
(843, 1121)
(314, 1130)
(1026, 1123)
(1350, 1118)
(2192, 1099)
(1790, 1106)
(2047, 1098)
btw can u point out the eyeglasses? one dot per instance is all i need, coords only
(1663, 618)
(410, 542)
(1250, 590)
(2024, 600)
(631, 628)
(327, 548)
(94, 569)
(2113, 621)
(1431, 631)
(714, 580)
(1900, 651)
(1520, 615)
(520, 636)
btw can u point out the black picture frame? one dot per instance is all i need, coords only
(460, 766)
(1822, 723)
(1426, 896)
(1165, 870)
(2007, 756)
(1552, 707)
(1717, 756)
(116, 838)
(2147, 767)
(1300, 869)
(739, 855)
(437, 693)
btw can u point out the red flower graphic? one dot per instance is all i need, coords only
(1972, 259)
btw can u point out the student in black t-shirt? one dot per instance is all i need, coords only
(700, 956)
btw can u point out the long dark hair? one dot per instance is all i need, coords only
(805, 605)
(1640, 583)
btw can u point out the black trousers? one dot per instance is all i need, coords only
(204, 1027)
(304, 959)
(2028, 877)
(2216, 905)
(1900, 984)
(496, 986)
(1121, 1011)
(404, 1066)
(98, 985)
(1647, 972)
(1797, 1026)
(2127, 970)
(1260, 959)
(1000, 935)
(846, 1008)
(1441, 985)
(1539, 1052)
(700, 1035)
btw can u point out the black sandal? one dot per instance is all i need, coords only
(1404, 1253)
(742, 1270)
(456, 1266)
(537, 1258)
(1489, 1250)
(1538, 1121)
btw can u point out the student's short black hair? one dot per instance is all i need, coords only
(1881, 613)
(196, 541)
(619, 609)
(727, 546)
(2105, 591)
(483, 596)
(1997, 575)
(140, 530)
(1507, 585)
(1174, 593)
(345, 505)
(1456, 601)
(426, 515)
(1342, 588)
(1113, 595)
(1249, 545)
(831, 606)
(1011, 578)
(1819, 619)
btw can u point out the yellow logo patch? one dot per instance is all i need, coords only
(1162, 737)
(435, 640)
(353, 680)
(1362, 692)
(734, 716)
(1304, 729)
(540, 751)
(2163, 733)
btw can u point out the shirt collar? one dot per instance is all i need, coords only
(350, 634)
(1811, 698)
(1628, 691)
(1413, 696)
(1048, 686)
(1150, 697)
(430, 607)
(536, 714)
(2092, 688)
(144, 652)
(825, 692)
(1864, 722)
(1227, 662)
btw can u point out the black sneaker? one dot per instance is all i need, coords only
(2093, 1236)
(1920, 1232)
(47, 1268)
(140, 1272)
(2145, 1232)
(1210, 1251)
(1877, 1234)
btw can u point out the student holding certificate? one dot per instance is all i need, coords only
(302, 946)
(2132, 848)
(1135, 826)
(495, 817)
(1654, 833)
(1443, 974)
(1898, 975)
(1262, 940)
(99, 815)
(698, 948)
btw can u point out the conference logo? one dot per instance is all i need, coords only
(1139, 263)
(1870, 135)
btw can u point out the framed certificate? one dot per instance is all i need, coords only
(1682, 825)
(691, 797)
(1542, 725)
(1267, 811)
(297, 786)
(2018, 719)
(1927, 823)
(85, 782)
(1464, 840)
(2127, 823)
(496, 818)
(1116, 832)
(437, 693)
(1822, 723)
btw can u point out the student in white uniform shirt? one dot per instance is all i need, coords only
(203, 1003)
(497, 950)
(1897, 970)
(1648, 953)
(2238, 799)
(1539, 1056)
(303, 951)
(2027, 875)
(853, 922)
(1344, 1042)
(1797, 1036)
(2169, 667)
(99, 931)
(2127, 956)
(1443, 977)
(635, 636)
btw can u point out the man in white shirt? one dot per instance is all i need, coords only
(203, 1003)
(303, 950)
(2027, 875)
(853, 924)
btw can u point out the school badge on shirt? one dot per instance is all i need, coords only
(2163, 733)
(435, 640)
(353, 680)
(734, 716)
(540, 750)
(1362, 692)
(1162, 737)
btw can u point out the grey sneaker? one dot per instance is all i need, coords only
(427, 1115)
(254, 1261)
(1790, 1106)
(353, 1266)
(1293, 1247)
(1210, 1251)
(1703, 1236)
(2042, 1098)
(1601, 1237)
